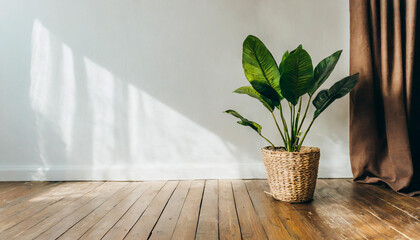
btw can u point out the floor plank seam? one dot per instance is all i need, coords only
(218, 214)
(253, 206)
(386, 222)
(13, 202)
(208, 209)
(183, 204)
(370, 211)
(106, 232)
(367, 211)
(274, 207)
(322, 199)
(128, 232)
(236, 209)
(163, 209)
(16, 213)
(394, 206)
(44, 219)
(199, 211)
(151, 231)
(106, 199)
(87, 230)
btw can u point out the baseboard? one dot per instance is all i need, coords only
(151, 172)
(121, 173)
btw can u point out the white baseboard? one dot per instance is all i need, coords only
(132, 173)
(121, 173)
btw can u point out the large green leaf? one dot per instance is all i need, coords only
(323, 70)
(297, 75)
(250, 91)
(245, 122)
(339, 89)
(261, 69)
(281, 65)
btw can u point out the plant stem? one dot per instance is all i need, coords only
(298, 115)
(286, 131)
(275, 120)
(266, 139)
(292, 130)
(292, 115)
(296, 123)
(304, 136)
(304, 115)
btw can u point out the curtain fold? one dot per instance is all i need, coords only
(385, 106)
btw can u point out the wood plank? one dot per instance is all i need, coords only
(18, 190)
(38, 202)
(21, 193)
(208, 226)
(378, 208)
(40, 222)
(58, 223)
(31, 201)
(297, 226)
(341, 210)
(228, 219)
(251, 227)
(130, 217)
(12, 186)
(112, 217)
(7, 186)
(334, 218)
(384, 187)
(76, 224)
(353, 219)
(187, 222)
(47, 207)
(169, 217)
(311, 216)
(272, 224)
(144, 226)
(408, 205)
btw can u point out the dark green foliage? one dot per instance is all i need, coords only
(297, 75)
(291, 79)
(250, 91)
(338, 90)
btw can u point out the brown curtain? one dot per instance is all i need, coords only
(385, 104)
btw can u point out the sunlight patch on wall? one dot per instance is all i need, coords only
(163, 135)
(41, 65)
(100, 84)
(40, 68)
(156, 134)
(68, 96)
(88, 116)
(52, 94)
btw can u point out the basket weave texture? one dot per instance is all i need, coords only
(291, 175)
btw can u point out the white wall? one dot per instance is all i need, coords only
(135, 89)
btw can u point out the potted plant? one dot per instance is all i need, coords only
(291, 169)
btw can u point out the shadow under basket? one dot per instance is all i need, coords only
(291, 175)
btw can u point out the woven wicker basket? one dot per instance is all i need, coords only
(291, 175)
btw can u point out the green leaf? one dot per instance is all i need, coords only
(245, 122)
(297, 76)
(323, 70)
(299, 47)
(250, 91)
(338, 90)
(281, 66)
(261, 69)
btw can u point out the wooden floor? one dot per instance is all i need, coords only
(212, 209)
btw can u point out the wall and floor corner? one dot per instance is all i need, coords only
(134, 90)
